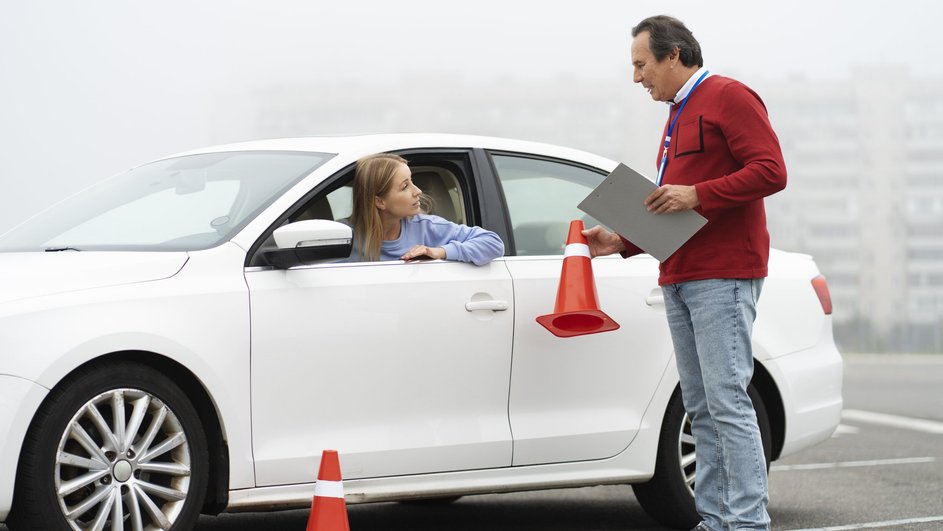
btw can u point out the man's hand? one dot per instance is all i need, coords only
(419, 251)
(602, 242)
(672, 198)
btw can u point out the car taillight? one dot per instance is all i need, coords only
(821, 289)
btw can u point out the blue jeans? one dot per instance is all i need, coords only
(711, 324)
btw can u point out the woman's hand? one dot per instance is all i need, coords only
(435, 253)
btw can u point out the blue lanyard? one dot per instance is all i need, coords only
(664, 154)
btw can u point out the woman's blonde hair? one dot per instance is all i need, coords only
(373, 178)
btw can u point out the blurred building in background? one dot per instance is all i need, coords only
(864, 155)
(865, 160)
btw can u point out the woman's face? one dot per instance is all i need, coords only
(402, 199)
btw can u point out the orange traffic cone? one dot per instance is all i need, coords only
(577, 312)
(328, 511)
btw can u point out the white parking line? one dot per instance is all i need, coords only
(894, 359)
(873, 525)
(844, 429)
(852, 464)
(894, 421)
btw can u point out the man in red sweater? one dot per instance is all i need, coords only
(718, 155)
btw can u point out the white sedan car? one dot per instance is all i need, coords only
(183, 339)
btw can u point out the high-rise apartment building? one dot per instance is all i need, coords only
(865, 197)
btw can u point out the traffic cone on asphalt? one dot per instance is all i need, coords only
(328, 511)
(577, 312)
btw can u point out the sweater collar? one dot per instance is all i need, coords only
(686, 88)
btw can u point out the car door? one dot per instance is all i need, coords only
(582, 397)
(383, 361)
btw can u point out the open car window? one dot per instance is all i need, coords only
(444, 178)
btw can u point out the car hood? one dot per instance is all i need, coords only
(26, 275)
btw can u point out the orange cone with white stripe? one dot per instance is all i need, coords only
(328, 511)
(577, 312)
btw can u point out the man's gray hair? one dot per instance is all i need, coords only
(667, 33)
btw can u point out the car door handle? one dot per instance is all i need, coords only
(493, 305)
(652, 300)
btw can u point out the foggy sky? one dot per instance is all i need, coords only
(89, 89)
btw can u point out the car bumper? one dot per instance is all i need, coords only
(810, 384)
(19, 400)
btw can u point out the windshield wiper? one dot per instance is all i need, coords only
(57, 249)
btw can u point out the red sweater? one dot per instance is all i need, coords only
(723, 144)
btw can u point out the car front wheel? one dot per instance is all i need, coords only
(117, 447)
(669, 496)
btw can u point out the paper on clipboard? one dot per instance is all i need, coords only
(618, 203)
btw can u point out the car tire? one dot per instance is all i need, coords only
(669, 496)
(112, 442)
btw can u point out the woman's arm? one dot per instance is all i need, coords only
(460, 242)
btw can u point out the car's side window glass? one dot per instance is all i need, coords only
(335, 205)
(541, 198)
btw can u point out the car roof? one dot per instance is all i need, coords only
(356, 146)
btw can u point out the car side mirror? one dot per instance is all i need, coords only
(308, 242)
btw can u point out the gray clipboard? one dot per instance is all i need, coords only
(619, 203)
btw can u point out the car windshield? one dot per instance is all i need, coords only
(178, 204)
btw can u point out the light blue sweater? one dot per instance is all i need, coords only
(461, 242)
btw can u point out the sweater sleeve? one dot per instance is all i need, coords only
(630, 248)
(754, 145)
(463, 243)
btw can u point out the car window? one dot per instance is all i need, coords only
(341, 201)
(442, 196)
(443, 179)
(541, 198)
(334, 205)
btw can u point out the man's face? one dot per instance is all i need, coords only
(655, 76)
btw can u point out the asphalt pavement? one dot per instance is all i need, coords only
(883, 469)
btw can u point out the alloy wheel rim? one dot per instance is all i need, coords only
(123, 463)
(686, 454)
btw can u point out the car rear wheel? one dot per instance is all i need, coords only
(669, 496)
(117, 447)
